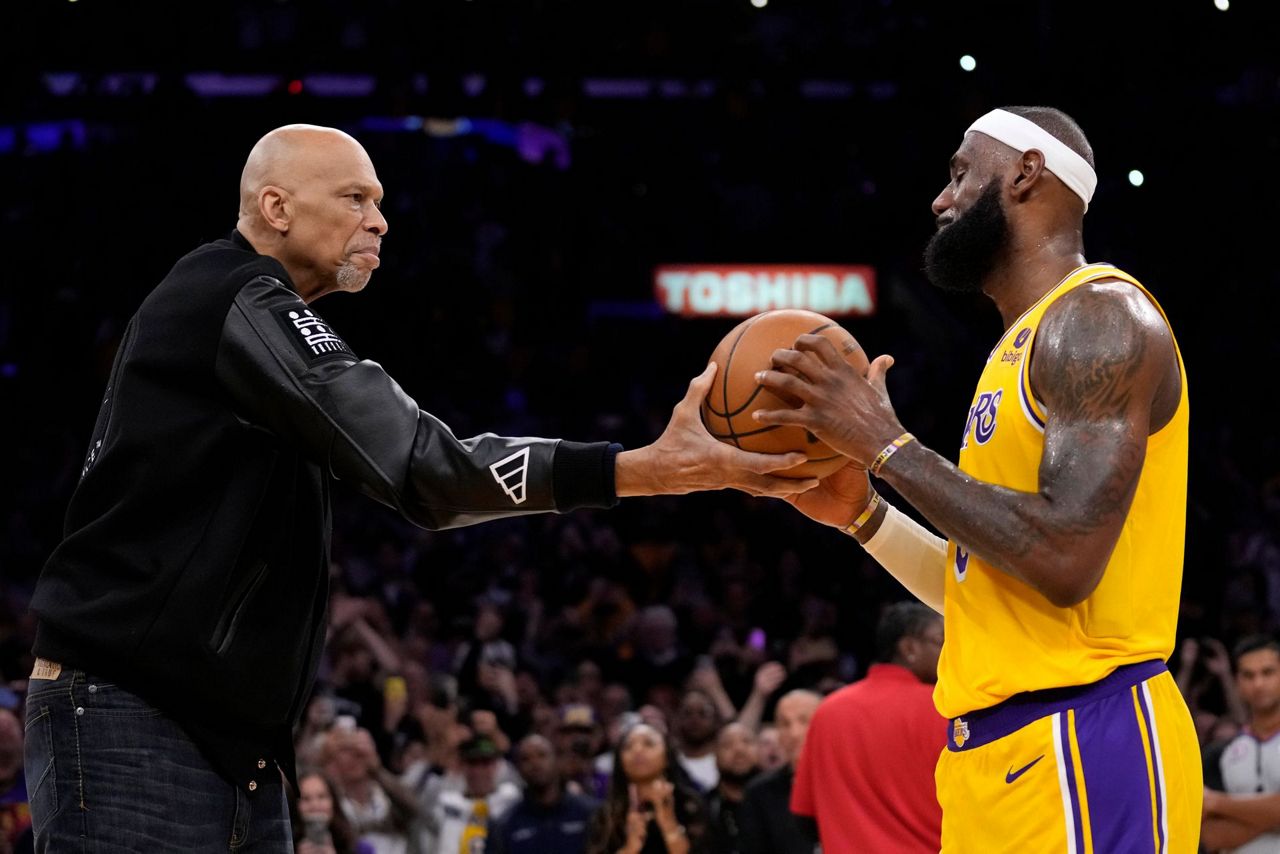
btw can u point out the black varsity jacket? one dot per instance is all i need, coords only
(194, 568)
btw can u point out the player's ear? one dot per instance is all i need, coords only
(275, 207)
(1029, 168)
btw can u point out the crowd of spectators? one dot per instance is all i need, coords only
(609, 680)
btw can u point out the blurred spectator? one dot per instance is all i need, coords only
(768, 826)
(1242, 776)
(659, 661)
(319, 826)
(462, 819)
(737, 760)
(441, 770)
(579, 739)
(652, 807)
(768, 679)
(363, 662)
(15, 813)
(485, 664)
(589, 682)
(697, 724)
(548, 819)
(772, 755)
(866, 771)
(379, 808)
(314, 729)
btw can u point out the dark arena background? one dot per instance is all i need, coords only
(541, 161)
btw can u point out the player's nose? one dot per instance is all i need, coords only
(376, 222)
(943, 202)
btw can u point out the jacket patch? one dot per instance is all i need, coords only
(314, 340)
(511, 473)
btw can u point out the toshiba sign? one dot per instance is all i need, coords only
(743, 290)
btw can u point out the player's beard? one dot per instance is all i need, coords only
(960, 255)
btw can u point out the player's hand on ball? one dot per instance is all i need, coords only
(838, 498)
(685, 458)
(847, 411)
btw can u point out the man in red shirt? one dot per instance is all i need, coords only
(866, 772)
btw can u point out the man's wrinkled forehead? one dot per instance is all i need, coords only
(334, 161)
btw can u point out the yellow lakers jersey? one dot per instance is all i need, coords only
(1003, 637)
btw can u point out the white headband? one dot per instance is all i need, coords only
(1024, 135)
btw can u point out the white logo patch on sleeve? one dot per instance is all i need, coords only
(312, 336)
(511, 473)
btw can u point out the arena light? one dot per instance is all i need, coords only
(968, 63)
(741, 290)
(1136, 178)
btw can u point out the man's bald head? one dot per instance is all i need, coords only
(792, 715)
(310, 198)
(289, 155)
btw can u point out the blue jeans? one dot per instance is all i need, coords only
(106, 771)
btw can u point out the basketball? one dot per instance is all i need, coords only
(735, 394)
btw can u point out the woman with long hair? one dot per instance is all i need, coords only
(652, 808)
(319, 825)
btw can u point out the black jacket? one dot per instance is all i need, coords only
(194, 567)
(766, 824)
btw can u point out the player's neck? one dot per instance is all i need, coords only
(1029, 270)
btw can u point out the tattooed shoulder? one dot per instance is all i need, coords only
(1094, 350)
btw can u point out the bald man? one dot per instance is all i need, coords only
(182, 618)
(1064, 520)
(766, 824)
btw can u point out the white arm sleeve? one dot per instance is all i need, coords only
(912, 555)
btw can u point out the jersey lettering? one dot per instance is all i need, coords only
(981, 422)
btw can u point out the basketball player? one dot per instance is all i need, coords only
(182, 618)
(1060, 574)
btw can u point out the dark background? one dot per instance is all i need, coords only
(514, 294)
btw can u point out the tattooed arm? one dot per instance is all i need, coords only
(1100, 359)
(1103, 365)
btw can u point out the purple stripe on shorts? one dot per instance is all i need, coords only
(1078, 820)
(1150, 719)
(1115, 773)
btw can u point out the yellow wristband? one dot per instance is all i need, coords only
(866, 514)
(889, 450)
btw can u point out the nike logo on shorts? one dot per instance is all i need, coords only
(1013, 775)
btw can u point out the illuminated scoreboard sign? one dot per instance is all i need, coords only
(741, 290)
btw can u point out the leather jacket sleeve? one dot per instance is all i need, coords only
(287, 371)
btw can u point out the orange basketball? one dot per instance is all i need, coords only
(735, 394)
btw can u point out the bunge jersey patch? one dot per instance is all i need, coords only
(313, 338)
